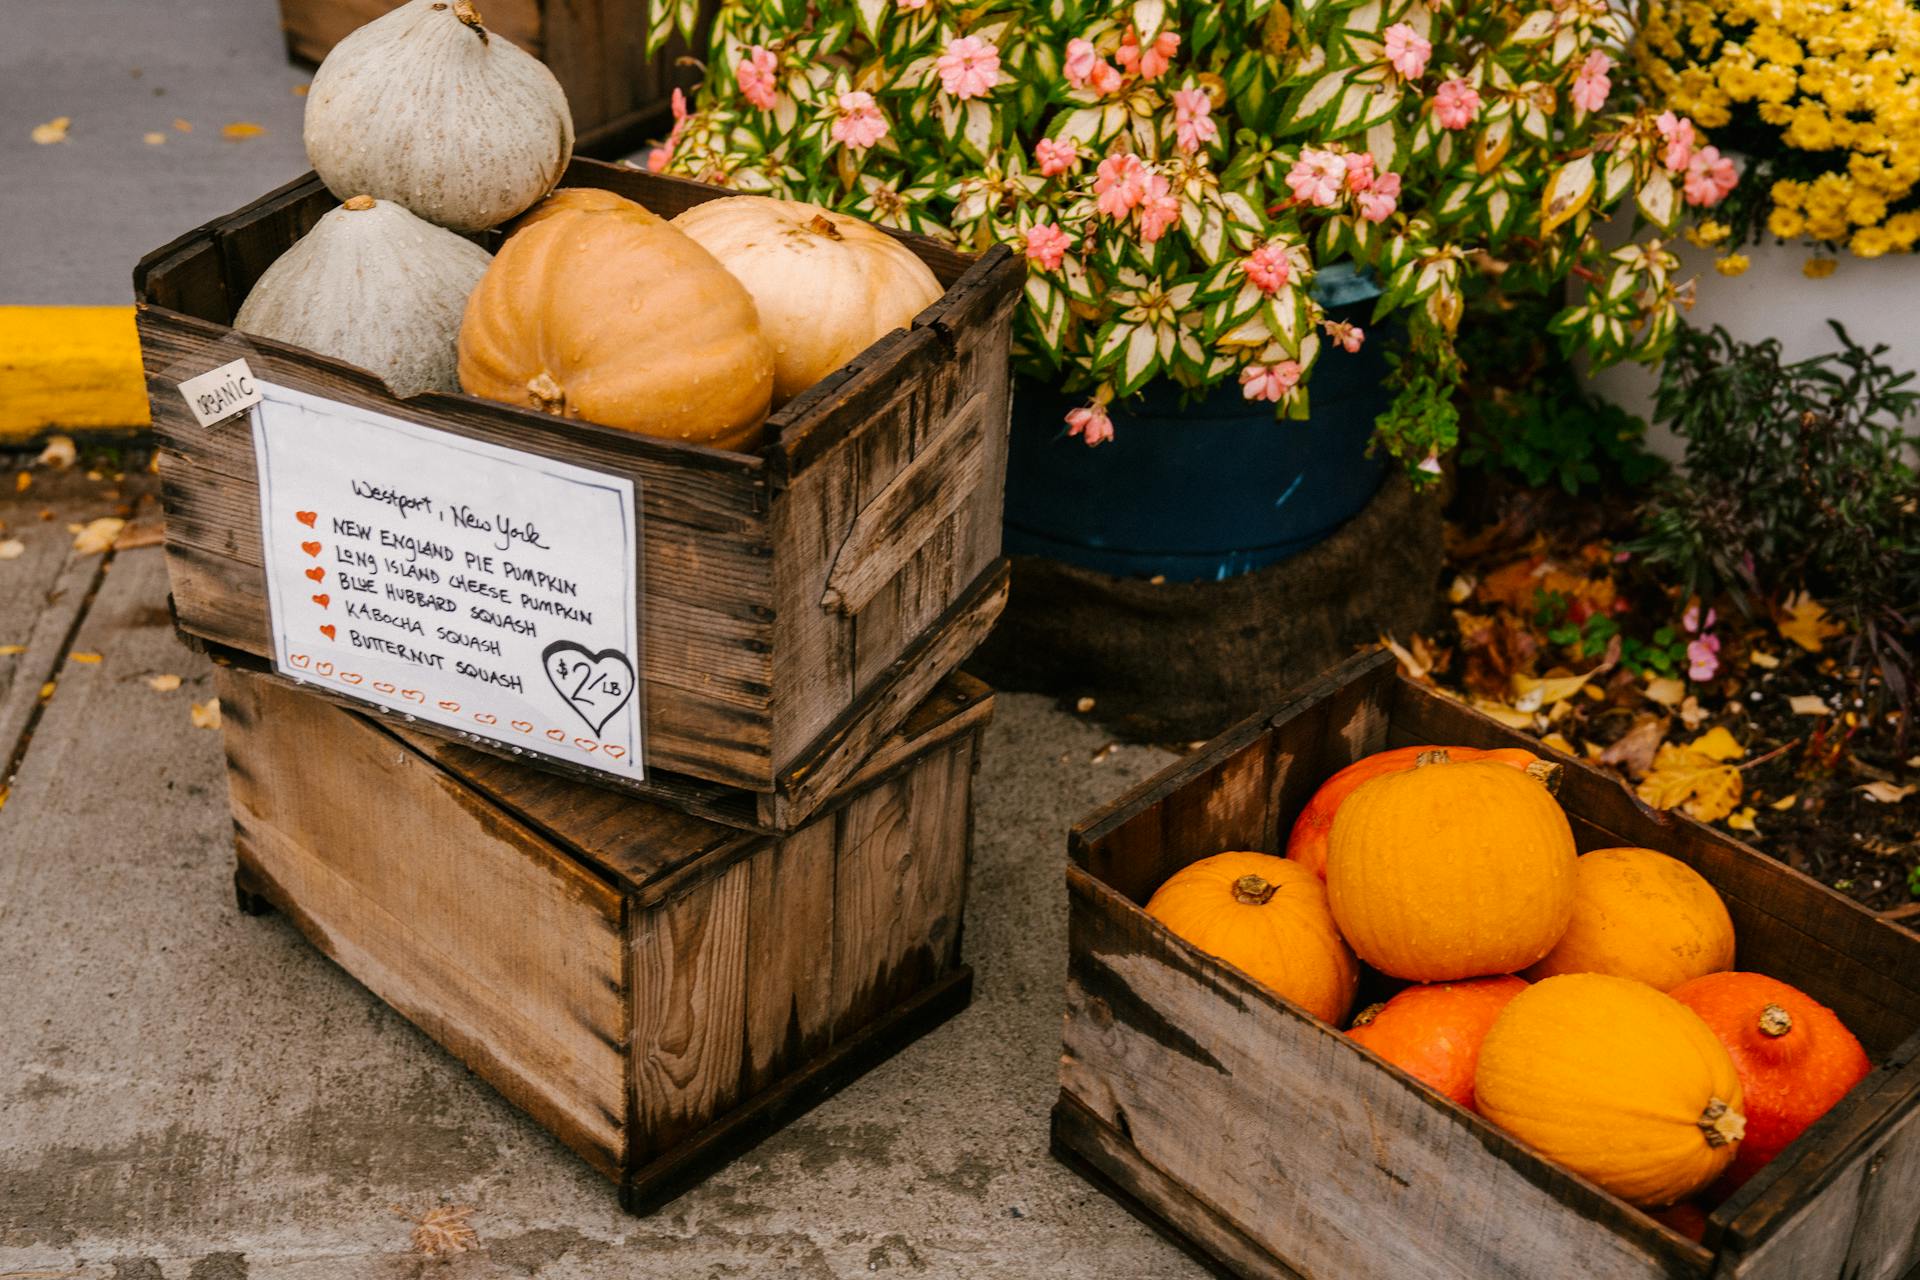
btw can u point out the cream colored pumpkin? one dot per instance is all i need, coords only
(375, 286)
(827, 286)
(427, 108)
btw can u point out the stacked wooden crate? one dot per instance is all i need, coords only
(659, 966)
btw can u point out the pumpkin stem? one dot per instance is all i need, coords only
(1721, 1124)
(1369, 1013)
(545, 394)
(1775, 1021)
(824, 225)
(1254, 891)
(1438, 755)
(359, 204)
(464, 10)
(1547, 774)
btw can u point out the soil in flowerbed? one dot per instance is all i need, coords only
(1760, 721)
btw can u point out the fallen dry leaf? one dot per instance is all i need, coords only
(241, 130)
(1692, 714)
(1414, 662)
(59, 453)
(1083, 706)
(1696, 777)
(1634, 750)
(1887, 792)
(1666, 690)
(12, 549)
(154, 139)
(442, 1230)
(163, 684)
(1531, 693)
(1461, 589)
(1765, 661)
(54, 130)
(1809, 704)
(1558, 741)
(10, 650)
(182, 125)
(91, 659)
(206, 715)
(1742, 819)
(1785, 802)
(22, 482)
(1806, 623)
(140, 533)
(300, 90)
(1505, 714)
(46, 690)
(97, 536)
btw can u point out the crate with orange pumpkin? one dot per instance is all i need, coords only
(1372, 986)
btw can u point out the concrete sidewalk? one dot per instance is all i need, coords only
(190, 1094)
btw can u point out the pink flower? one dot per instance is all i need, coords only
(912, 4)
(1047, 245)
(1193, 125)
(1429, 464)
(1159, 209)
(1691, 618)
(1591, 86)
(859, 123)
(1378, 201)
(1678, 132)
(1155, 60)
(1091, 423)
(662, 155)
(1080, 59)
(1455, 104)
(1055, 158)
(1268, 268)
(1703, 655)
(658, 158)
(755, 77)
(1105, 80)
(1710, 177)
(1120, 184)
(1347, 337)
(969, 68)
(1408, 50)
(1360, 171)
(1316, 177)
(1269, 381)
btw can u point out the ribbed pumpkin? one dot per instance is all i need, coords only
(1451, 871)
(596, 308)
(1307, 844)
(828, 286)
(1616, 1081)
(1794, 1055)
(1642, 915)
(425, 107)
(1268, 917)
(1433, 1032)
(375, 286)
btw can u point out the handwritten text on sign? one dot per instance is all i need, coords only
(480, 588)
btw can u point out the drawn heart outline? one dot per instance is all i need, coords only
(524, 726)
(383, 686)
(595, 685)
(324, 668)
(558, 735)
(352, 677)
(300, 660)
(486, 717)
(306, 517)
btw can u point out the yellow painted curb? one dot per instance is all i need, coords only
(69, 367)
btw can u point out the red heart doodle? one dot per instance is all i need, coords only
(311, 548)
(558, 735)
(617, 752)
(413, 695)
(306, 517)
(486, 717)
(301, 660)
(382, 686)
(585, 744)
(352, 677)
(445, 705)
(327, 631)
(317, 574)
(324, 668)
(323, 600)
(524, 726)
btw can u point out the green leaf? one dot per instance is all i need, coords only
(1656, 199)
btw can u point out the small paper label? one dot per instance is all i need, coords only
(217, 396)
(485, 589)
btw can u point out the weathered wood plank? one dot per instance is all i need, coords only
(481, 934)
(313, 27)
(42, 595)
(789, 973)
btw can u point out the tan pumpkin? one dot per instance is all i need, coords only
(1450, 871)
(425, 107)
(827, 286)
(1267, 917)
(1618, 1082)
(596, 308)
(375, 286)
(1642, 915)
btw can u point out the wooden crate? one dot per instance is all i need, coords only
(1271, 1145)
(658, 990)
(597, 49)
(797, 602)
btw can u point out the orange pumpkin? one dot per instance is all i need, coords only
(1307, 844)
(1267, 917)
(1794, 1055)
(1451, 871)
(595, 308)
(1616, 1081)
(1688, 1218)
(1433, 1032)
(1641, 915)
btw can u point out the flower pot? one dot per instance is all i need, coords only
(1201, 490)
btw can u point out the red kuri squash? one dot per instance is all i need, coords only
(1433, 1032)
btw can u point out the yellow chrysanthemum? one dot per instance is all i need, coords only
(1734, 264)
(1818, 268)
(1786, 223)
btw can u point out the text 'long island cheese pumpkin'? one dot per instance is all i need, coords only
(596, 308)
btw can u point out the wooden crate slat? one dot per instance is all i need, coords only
(790, 996)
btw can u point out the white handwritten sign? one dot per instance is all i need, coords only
(480, 588)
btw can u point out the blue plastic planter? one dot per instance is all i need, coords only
(1209, 490)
